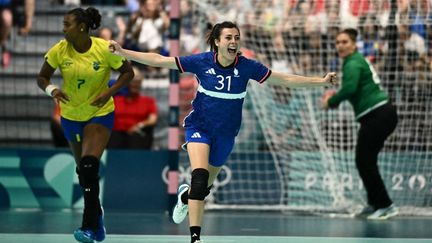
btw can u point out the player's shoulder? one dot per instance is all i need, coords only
(61, 45)
(203, 56)
(99, 42)
(248, 62)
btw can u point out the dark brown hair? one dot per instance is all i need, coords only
(352, 33)
(216, 31)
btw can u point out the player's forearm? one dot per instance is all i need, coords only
(147, 58)
(43, 82)
(293, 81)
(122, 81)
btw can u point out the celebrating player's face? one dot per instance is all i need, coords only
(344, 45)
(228, 43)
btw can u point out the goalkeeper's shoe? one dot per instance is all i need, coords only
(384, 213)
(180, 209)
(366, 211)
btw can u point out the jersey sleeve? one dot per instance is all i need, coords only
(114, 61)
(188, 63)
(260, 72)
(350, 82)
(51, 57)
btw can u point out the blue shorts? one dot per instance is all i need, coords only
(220, 146)
(73, 130)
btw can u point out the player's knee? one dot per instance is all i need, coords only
(88, 171)
(199, 189)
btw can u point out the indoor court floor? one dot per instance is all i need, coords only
(34, 226)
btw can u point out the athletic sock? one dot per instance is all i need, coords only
(195, 233)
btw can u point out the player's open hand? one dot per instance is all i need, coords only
(330, 78)
(115, 47)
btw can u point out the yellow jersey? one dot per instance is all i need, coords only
(85, 76)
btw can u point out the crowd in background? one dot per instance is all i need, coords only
(294, 36)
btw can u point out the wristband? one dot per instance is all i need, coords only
(49, 89)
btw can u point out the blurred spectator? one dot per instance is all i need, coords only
(5, 28)
(135, 117)
(132, 5)
(24, 22)
(105, 33)
(10, 16)
(144, 31)
(189, 32)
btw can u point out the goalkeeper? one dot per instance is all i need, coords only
(377, 118)
(212, 125)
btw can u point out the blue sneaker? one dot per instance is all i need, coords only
(84, 235)
(180, 209)
(101, 231)
(87, 235)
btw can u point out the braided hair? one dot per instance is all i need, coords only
(90, 17)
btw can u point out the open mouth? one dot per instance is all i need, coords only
(232, 50)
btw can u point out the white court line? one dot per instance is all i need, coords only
(115, 238)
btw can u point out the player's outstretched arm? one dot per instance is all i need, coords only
(293, 81)
(147, 58)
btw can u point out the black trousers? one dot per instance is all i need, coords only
(375, 127)
(123, 140)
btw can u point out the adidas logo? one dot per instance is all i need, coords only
(194, 235)
(211, 71)
(196, 135)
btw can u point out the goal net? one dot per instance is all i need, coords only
(291, 154)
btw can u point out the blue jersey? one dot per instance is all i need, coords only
(217, 107)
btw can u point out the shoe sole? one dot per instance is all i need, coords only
(79, 236)
(390, 215)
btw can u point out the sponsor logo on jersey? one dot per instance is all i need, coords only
(211, 71)
(196, 135)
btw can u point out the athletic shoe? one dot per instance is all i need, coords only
(87, 235)
(180, 209)
(198, 241)
(101, 231)
(366, 211)
(384, 213)
(84, 235)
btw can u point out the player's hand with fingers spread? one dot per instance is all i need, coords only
(330, 78)
(115, 47)
(60, 96)
(101, 99)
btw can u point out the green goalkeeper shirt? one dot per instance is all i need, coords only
(360, 86)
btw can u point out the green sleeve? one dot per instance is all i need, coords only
(350, 82)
